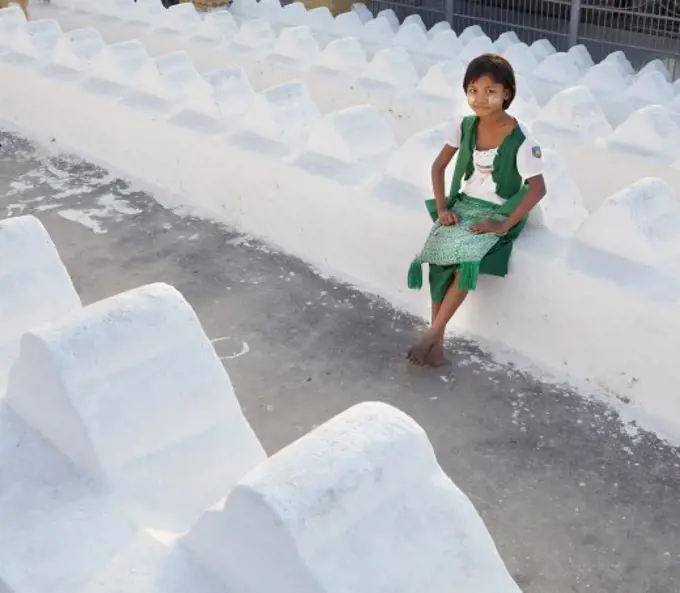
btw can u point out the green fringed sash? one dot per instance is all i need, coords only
(456, 245)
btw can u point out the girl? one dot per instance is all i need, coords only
(497, 180)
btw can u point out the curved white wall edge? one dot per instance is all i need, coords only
(358, 504)
(651, 78)
(35, 287)
(131, 390)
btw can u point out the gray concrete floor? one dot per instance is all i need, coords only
(573, 502)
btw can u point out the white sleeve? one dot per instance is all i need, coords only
(452, 131)
(529, 159)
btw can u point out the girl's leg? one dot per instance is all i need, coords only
(436, 356)
(423, 352)
(435, 311)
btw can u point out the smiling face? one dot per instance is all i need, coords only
(486, 96)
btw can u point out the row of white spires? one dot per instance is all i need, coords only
(580, 106)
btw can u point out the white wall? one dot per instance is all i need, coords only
(232, 144)
(35, 287)
(359, 503)
(412, 74)
(119, 427)
(131, 390)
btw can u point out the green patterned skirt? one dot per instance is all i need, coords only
(494, 262)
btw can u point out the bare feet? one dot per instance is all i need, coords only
(436, 357)
(426, 352)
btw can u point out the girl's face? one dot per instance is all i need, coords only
(485, 96)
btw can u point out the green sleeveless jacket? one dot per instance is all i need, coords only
(505, 174)
(509, 186)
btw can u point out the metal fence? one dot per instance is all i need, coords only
(643, 29)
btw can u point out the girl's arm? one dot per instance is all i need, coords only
(530, 166)
(438, 184)
(534, 195)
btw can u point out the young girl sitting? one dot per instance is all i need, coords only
(497, 180)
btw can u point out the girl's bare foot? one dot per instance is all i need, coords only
(420, 353)
(436, 357)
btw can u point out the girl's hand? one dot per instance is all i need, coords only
(447, 217)
(489, 226)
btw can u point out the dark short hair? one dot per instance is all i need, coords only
(497, 68)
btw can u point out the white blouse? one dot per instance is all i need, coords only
(481, 184)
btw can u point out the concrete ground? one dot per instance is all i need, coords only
(573, 502)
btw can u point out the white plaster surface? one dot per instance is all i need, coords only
(347, 25)
(256, 37)
(36, 39)
(246, 8)
(121, 62)
(656, 65)
(282, 114)
(411, 37)
(358, 504)
(10, 18)
(146, 11)
(553, 74)
(444, 79)
(521, 58)
(542, 48)
(443, 45)
(649, 132)
(170, 76)
(273, 134)
(226, 96)
(222, 23)
(438, 27)
(651, 87)
(407, 178)
(35, 287)
(293, 14)
(505, 40)
(76, 49)
(476, 47)
(343, 135)
(319, 19)
(363, 11)
(562, 210)
(640, 223)
(183, 18)
(392, 67)
(609, 86)
(414, 19)
(296, 47)
(581, 57)
(575, 114)
(343, 55)
(470, 33)
(337, 148)
(377, 32)
(390, 16)
(58, 528)
(132, 392)
(606, 76)
(620, 59)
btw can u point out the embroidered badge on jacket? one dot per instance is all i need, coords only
(536, 151)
